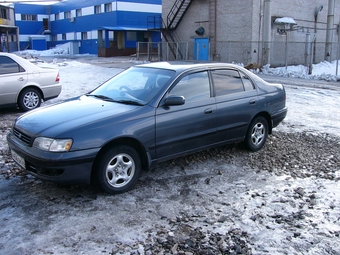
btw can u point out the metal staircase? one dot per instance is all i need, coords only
(174, 17)
(168, 29)
(177, 12)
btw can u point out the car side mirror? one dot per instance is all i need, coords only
(174, 100)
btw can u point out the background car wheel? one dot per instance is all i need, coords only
(29, 99)
(257, 134)
(118, 170)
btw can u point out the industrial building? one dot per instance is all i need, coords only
(245, 31)
(262, 31)
(96, 27)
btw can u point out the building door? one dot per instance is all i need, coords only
(201, 49)
(45, 24)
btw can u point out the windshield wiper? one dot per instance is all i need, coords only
(105, 98)
(129, 102)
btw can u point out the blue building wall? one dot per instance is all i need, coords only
(68, 30)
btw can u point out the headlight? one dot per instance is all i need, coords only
(55, 145)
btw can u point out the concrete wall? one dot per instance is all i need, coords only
(239, 28)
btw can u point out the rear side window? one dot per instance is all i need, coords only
(193, 87)
(247, 83)
(8, 66)
(227, 82)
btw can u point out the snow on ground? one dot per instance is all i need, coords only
(310, 109)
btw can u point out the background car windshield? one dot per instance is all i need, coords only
(137, 84)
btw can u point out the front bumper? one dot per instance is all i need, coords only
(66, 167)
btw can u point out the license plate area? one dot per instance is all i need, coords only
(18, 159)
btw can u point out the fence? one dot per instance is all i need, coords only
(281, 53)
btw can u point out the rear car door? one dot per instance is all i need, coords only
(187, 127)
(236, 102)
(12, 78)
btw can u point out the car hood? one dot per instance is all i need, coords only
(74, 114)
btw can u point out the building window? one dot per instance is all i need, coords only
(131, 36)
(63, 37)
(78, 13)
(54, 38)
(84, 35)
(57, 16)
(97, 9)
(108, 7)
(4, 13)
(67, 15)
(31, 17)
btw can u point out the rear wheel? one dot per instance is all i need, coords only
(29, 99)
(257, 134)
(118, 170)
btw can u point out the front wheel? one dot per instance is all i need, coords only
(29, 99)
(257, 134)
(118, 170)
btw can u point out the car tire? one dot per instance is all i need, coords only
(118, 170)
(29, 99)
(257, 134)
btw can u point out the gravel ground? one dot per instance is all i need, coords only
(209, 225)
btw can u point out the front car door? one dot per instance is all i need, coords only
(236, 102)
(187, 127)
(12, 78)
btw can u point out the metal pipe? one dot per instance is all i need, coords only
(329, 32)
(215, 27)
(266, 31)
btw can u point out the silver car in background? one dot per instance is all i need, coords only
(24, 84)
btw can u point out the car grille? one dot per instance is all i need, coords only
(23, 137)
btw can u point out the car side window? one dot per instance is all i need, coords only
(247, 83)
(8, 66)
(193, 87)
(227, 82)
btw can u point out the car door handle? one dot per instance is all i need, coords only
(20, 79)
(208, 111)
(252, 102)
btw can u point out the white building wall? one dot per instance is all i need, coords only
(94, 34)
(41, 17)
(87, 11)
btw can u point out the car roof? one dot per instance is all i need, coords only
(28, 65)
(11, 55)
(187, 65)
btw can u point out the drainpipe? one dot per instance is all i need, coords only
(266, 37)
(329, 32)
(215, 27)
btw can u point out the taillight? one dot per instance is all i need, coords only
(58, 78)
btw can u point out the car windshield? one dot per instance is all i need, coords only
(137, 85)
